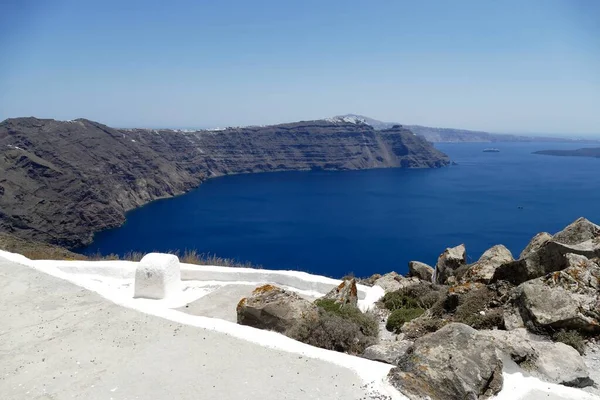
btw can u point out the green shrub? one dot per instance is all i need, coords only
(332, 331)
(397, 300)
(400, 316)
(420, 295)
(328, 305)
(571, 338)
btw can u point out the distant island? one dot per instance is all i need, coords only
(585, 152)
(450, 135)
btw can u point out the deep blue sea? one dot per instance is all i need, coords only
(333, 223)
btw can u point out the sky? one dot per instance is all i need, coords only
(503, 66)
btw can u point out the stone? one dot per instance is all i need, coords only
(483, 270)
(157, 276)
(272, 308)
(390, 282)
(549, 361)
(387, 352)
(448, 262)
(549, 257)
(345, 293)
(454, 363)
(535, 243)
(420, 270)
(567, 299)
(512, 318)
(577, 232)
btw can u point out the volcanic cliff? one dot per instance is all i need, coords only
(61, 181)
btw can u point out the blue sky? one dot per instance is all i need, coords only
(503, 66)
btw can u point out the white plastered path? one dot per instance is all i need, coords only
(113, 280)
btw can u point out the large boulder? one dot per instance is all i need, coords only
(483, 270)
(577, 232)
(535, 243)
(567, 299)
(345, 293)
(550, 257)
(420, 270)
(448, 262)
(546, 360)
(454, 363)
(388, 352)
(272, 308)
(392, 282)
(546, 254)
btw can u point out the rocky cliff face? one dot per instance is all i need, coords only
(61, 181)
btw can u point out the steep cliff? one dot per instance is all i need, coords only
(61, 181)
(450, 135)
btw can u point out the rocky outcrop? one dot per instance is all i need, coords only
(568, 299)
(579, 231)
(534, 245)
(547, 256)
(345, 293)
(483, 270)
(420, 270)
(454, 363)
(392, 282)
(448, 262)
(388, 352)
(549, 361)
(273, 308)
(61, 181)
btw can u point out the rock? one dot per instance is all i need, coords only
(345, 293)
(549, 257)
(483, 270)
(568, 299)
(546, 360)
(454, 363)
(390, 282)
(577, 232)
(388, 352)
(273, 308)
(512, 318)
(420, 270)
(449, 261)
(157, 276)
(535, 243)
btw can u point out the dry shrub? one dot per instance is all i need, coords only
(421, 326)
(474, 310)
(332, 332)
(421, 295)
(36, 250)
(366, 322)
(571, 338)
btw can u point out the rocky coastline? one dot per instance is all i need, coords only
(62, 181)
(451, 330)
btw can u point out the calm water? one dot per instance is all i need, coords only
(333, 223)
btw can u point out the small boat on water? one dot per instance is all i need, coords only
(491, 150)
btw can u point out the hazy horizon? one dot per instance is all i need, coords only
(504, 67)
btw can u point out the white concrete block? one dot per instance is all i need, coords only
(157, 276)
